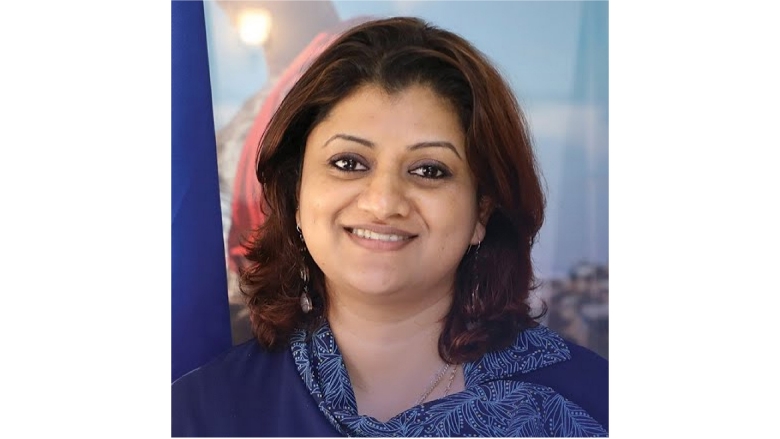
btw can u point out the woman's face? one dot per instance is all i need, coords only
(387, 199)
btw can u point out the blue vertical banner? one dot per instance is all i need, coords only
(199, 303)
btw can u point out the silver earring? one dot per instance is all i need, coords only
(474, 305)
(306, 304)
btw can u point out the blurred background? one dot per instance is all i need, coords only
(554, 54)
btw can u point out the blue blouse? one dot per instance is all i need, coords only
(540, 386)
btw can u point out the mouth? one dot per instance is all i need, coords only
(383, 236)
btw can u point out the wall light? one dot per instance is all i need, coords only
(254, 26)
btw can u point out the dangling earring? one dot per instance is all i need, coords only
(474, 304)
(306, 305)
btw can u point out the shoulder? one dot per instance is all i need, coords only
(583, 379)
(213, 396)
(554, 385)
(231, 364)
(542, 358)
(217, 376)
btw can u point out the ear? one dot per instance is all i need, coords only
(298, 216)
(486, 207)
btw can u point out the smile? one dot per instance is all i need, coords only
(367, 234)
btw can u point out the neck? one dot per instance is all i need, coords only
(391, 351)
(366, 330)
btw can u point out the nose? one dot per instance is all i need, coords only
(384, 195)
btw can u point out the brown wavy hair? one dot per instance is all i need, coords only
(395, 53)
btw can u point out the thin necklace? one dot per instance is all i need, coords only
(436, 380)
(452, 378)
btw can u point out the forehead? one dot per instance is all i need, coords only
(415, 111)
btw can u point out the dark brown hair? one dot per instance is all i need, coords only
(395, 53)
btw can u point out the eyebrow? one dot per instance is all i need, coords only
(370, 144)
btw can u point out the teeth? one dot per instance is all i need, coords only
(367, 234)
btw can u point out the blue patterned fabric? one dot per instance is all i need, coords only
(541, 386)
(496, 401)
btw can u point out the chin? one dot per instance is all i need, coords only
(375, 289)
(375, 285)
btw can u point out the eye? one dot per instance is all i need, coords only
(434, 172)
(348, 164)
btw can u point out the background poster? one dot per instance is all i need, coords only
(555, 57)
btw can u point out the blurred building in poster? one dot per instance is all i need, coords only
(554, 55)
(578, 306)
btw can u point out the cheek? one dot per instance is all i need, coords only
(323, 199)
(453, 216)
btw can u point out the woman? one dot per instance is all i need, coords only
(388, 285)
